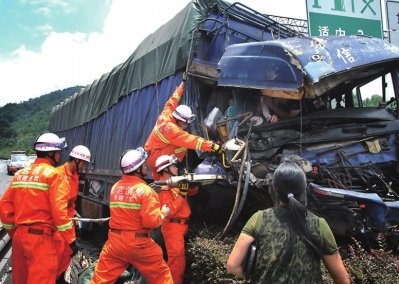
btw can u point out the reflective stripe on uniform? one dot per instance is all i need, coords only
(30, 184)
(65, 227)
(159, 134)
(125, 205)
(199, 143)
(8, 226)
(180, 150)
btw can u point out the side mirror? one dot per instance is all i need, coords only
(91, 165)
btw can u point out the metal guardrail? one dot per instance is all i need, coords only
(5, 247)
(298, 25)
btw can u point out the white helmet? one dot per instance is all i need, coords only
(184, 113)
(165, 161)
(131, 160)
(81, 152)
(48, 142)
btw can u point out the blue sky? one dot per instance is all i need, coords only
(29, 22)
(47, 45)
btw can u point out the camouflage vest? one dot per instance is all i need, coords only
(274, 264)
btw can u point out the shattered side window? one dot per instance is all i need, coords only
(337, 102)
(372, 93)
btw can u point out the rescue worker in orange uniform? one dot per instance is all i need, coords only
(169, 136)
(175, 226)
(79, 157)
(135, 210)
(32, 209)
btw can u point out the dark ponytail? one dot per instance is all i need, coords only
(297, 224)
(289, 182)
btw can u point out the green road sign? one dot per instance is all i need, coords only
(392, 13)
(344, 17)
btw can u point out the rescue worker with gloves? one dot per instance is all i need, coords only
(169, 136)
(32, 209)
(79, 157)
(175, 226)
(135, 210)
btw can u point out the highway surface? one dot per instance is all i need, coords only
(4, 178)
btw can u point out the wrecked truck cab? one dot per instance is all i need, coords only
(324, 76)
(346, 134)
(331, 98)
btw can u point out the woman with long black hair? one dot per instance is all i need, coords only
(290, 240)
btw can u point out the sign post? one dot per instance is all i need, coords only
(392, 12)
(344, 17)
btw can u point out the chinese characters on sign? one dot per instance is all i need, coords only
(325, 31)
(344, 17)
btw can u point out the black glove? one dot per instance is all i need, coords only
(217, 148)
(183, 186)
(74, 247)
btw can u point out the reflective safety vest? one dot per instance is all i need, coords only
(166, 132)
(73, 189)
(134, 206)
(179, 207)
(37, 195)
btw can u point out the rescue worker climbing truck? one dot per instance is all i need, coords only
(169, 136)
(233, 55)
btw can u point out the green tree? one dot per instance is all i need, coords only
(21, 123)
(5, 129)
(373, 101)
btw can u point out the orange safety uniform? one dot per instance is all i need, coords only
(135, 210)
(168, 138)
(173, 229)
(64, 250)
(32, 209)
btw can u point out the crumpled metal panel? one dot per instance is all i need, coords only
(261, 65)
(325, 56)
(284, 64)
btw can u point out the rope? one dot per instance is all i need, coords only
(99, 220)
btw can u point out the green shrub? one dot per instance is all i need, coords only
(371, 266)
(207, 256)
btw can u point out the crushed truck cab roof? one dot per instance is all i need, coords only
(292, 64)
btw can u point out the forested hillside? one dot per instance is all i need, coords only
(21, 123)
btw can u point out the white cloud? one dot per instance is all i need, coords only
(49, 3)
(47, 6)
(43, 11)
(45, 29)
(68, 59)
